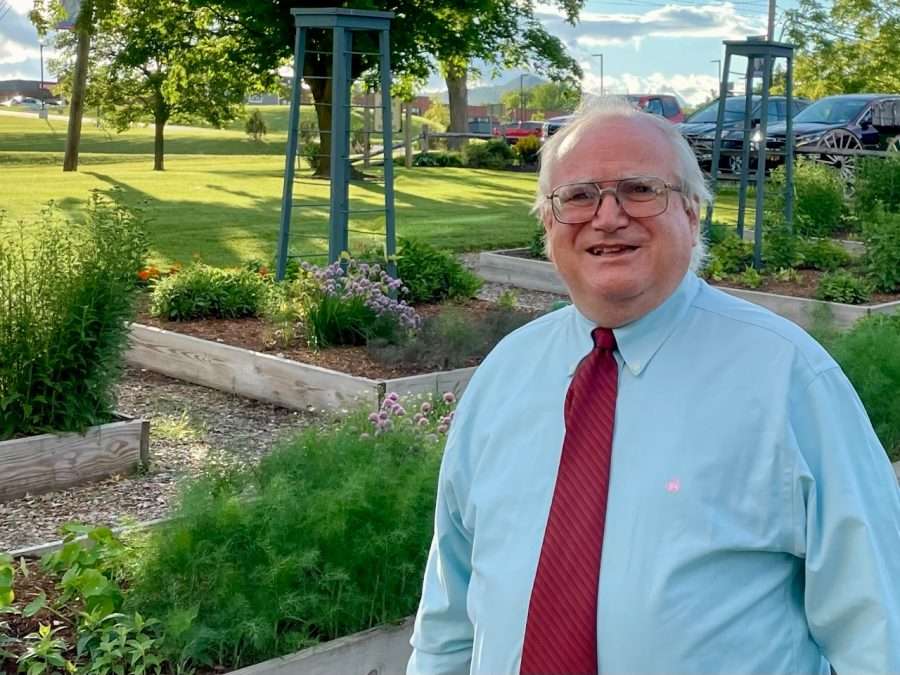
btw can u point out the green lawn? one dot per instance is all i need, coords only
(220, 196)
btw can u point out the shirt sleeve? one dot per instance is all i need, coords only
(850, 504)
(443, 634)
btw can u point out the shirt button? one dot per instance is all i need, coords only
(635, 367)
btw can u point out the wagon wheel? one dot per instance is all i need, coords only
(841, 139)
(735, 164)
(893, 144)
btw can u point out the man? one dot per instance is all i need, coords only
(696, 490)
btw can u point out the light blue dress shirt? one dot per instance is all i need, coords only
(753, 518)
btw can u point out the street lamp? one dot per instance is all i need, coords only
(41, 45)
(521, 98)
(601, 72)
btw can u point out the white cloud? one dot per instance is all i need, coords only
(14, 52)
(691, 88)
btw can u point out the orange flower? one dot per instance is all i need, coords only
(153, 272)
(263, 271)
(143, 275)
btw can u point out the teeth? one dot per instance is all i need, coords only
(600, 250)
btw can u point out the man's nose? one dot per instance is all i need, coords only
(610, 215)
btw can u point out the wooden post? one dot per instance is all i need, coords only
(426, 145)
(407, 136)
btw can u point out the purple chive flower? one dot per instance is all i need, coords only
(425, 408)
(373, 417)
(442, 428)
(423, 422)
(449, 398)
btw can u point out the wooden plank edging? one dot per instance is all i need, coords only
(541, 275)
(384, 650)
(277, 380)
(48, 462)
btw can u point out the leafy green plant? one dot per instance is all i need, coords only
(751, 277)
(432, 275)
(116, 644)
(868, 355)
(333, 540)
(717, 232)
(818, 198)
(283, 310)
(877, 182)
(732, 254)
(256, 126)
(881, 233)
(44, 652)
(537, 247)
(780, 246)
(713, 269)
(786, 274)
(842, 286)
(822, 254)
(493, 154)
(312, 152)
(200, 291)
(7, 575)
(66, 297)
(440, 159)
(527, 150)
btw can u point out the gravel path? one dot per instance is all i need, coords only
(190, 427)
(524, 298)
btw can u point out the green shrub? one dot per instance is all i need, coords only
(877, 182)
(818, 198)
(327, 537)
(312, 153)
(256, 126)
(432, 275)
(751, 278)
(732, 255)
(780, 247)
(844, 287)
(201, 292)
(881, 232)
(822, 254)
(441, 159)
(717, 232)
(868, 355)
(537, 245)
(66, 297)
(452, 339)
(527, 149)
(494, 154)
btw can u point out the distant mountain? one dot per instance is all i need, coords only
(492, 93)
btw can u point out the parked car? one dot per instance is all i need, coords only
(663, 105)
(700, 128)
(513, 131)
(844, 122)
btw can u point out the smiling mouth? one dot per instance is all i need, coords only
(610, 251)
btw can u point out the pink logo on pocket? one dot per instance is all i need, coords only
(673, 486)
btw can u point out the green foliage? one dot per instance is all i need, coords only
(751, 278)
(115, 644)
(842, 286)
(717, 232)
(527, 149)
(822, 254)
(554, 97)
(877, 182)
(65, 300)
(200, 292)
(537, 245)
(312, 153)
(868, 355)
(328, 536)
(7, 575)
(441, 159)
(256, 126)
(432, 275)
(881, 232)
(780, 247)
(44, 653)
(818, 199)
(732, 255)
(452, 339)
(438, 114)
(493, 154)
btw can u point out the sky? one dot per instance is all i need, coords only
(647, 46)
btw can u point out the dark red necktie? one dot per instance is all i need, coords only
(561, 630)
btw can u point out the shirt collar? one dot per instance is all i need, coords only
(639, 340)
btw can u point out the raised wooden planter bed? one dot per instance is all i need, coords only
(379, 651)
(271, 378)
(54, 461)
(539, 275)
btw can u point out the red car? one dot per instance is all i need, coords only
(513, 131)
(659, 104)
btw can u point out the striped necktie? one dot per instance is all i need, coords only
(561, 629)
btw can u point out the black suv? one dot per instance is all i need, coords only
(699, 129)
(845, 122)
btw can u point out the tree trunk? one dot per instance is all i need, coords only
(158, 145)
(79, 83)
(459, 104)
(321, 92)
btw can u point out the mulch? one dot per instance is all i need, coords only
(805, 287)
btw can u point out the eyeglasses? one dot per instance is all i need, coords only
(639, 197)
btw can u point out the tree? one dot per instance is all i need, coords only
(555, 97)
(852, 46)
(514, 100)
(153, 59)
(438, 114)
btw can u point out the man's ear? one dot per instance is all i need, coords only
(692, 209)
(547, 222)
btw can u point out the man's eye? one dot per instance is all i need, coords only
(638, 188)
(576, 196)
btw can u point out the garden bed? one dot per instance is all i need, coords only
(238, 356)
(793, 301)
(37, 464)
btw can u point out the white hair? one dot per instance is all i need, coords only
(591, 111)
